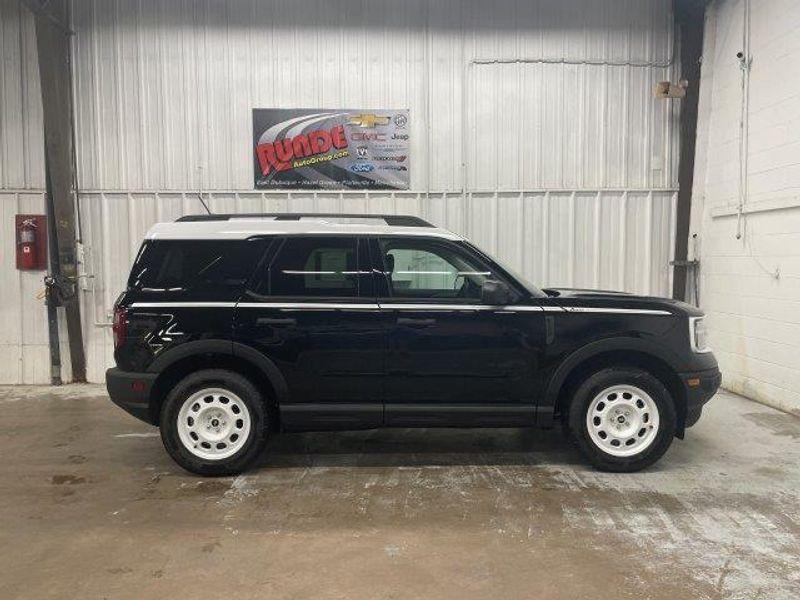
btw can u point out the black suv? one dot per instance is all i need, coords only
(236, 326)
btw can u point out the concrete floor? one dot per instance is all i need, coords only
(92, 507)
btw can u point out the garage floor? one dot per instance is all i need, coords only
(91, 507)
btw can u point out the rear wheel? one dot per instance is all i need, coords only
(213, 422)
(622, 419)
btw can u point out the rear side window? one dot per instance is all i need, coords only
(313, 267)
(175, 265)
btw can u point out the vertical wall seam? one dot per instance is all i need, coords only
(123, 173)
(4, 183)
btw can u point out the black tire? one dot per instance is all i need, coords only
(249, 396)
(596, 383)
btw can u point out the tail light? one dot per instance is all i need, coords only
(120, 326)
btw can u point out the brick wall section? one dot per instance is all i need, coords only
(750, 287)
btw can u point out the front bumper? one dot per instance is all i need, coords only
(699, 387)
(131, 392)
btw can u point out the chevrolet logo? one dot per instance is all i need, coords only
(369, 120)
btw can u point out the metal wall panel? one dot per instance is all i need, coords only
(23, 320)
(533, 126)
(21, 136)
(24, 349)
(19, 332)
(165, 89)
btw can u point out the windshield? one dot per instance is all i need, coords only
(521, 279)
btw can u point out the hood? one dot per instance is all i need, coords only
(612, 299)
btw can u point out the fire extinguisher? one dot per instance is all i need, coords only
(27, 244)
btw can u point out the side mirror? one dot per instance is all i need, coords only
(495, 293)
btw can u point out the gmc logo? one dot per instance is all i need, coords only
(360, 136)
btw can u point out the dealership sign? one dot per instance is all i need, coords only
(331, 149)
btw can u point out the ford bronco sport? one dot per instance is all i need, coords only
(233, 327)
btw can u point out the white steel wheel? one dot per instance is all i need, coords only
(213, 423)
(622, 420)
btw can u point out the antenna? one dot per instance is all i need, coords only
(200, 190)
(200, 197)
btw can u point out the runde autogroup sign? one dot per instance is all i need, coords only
(331, 149)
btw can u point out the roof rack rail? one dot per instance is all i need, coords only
(391, 220)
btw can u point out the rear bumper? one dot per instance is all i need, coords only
(131, 392)
(699, 387)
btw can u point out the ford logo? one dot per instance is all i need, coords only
(361, 168)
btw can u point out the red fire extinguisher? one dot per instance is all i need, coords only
(27, 244)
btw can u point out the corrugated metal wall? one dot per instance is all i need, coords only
(24, 353)
(534, 130)
(21, 136)
(165, 88)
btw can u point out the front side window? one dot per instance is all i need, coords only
(314, 267)
(423, 269)
(516, 275)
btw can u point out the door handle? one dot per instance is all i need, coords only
(276, 321)
(411, 322)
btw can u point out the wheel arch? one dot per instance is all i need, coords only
(177, 363)
(626, 353)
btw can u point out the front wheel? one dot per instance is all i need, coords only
(622, 419)
(213, 422)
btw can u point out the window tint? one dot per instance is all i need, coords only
(422, 269)
(314, 266)
(520, 279)
(173, 265)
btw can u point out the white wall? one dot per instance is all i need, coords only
(750, 287)
(165, 89)
(566, 170)
(24, 353)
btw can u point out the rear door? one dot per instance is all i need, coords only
(312, 310)
(182, 291)
(450, 359)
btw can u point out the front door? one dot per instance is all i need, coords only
(312, 311)
(452, 360)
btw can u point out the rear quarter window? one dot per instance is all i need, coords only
(180, 265)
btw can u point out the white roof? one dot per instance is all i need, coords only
(238, 228)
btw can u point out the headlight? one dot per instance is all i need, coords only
(697, 334)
